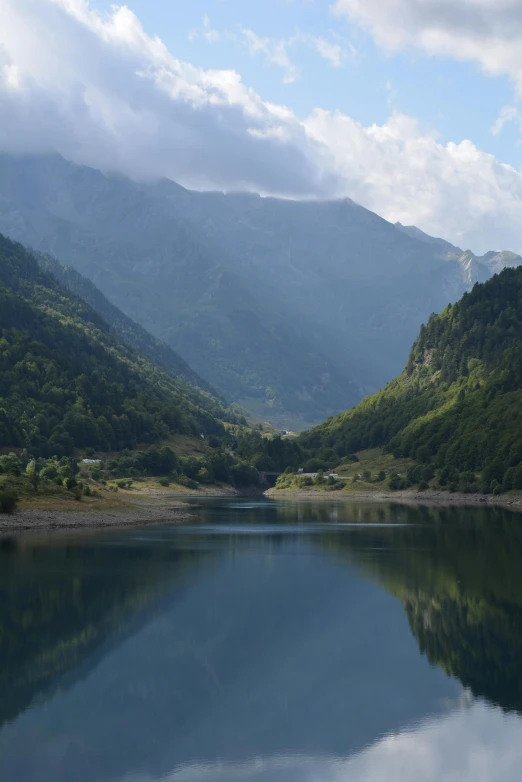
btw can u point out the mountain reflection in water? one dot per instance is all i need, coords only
(266, 641)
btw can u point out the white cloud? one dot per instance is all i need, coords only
(274, 51)
(486, 31)
(331, 52)
(100, 91)
(402, 171)
(507, 114)
(208, 33)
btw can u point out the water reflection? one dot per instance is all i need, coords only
(285, 632)
(64, 602)
(476, 745)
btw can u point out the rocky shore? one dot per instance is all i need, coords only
(31, 519)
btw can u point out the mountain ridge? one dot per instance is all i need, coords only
(296, 310)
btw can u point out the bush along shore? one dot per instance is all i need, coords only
(376, 474)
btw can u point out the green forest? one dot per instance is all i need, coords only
(78, 376)
(67, 381)
(456, 409)
(73, 384)
(128, 331)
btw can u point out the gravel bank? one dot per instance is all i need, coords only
(33, 519)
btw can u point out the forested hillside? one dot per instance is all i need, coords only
(67, 381)
(457, 407)
(128, 331)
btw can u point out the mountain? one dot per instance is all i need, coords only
(475, 268)
(128, 331)
(296, 310)
(68, 381)
(457, 406)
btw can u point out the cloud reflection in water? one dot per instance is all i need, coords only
(475, 744)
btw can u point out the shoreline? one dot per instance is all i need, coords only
(130, 509)
(511, 501)
(36, 520)
(164, 507)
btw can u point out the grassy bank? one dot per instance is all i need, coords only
(377, 476)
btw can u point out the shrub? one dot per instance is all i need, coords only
(338, 485)
(396, 483)
(188, 482)
(49, 472)
(428, 473)
(423, 485)
(164, 482)
(8, 501)
(243, 474)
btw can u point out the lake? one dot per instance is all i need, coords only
(269, 642)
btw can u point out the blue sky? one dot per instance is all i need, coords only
(454, 98)
(409, 107)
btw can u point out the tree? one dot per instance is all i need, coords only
(33, 473)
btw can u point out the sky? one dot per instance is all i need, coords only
(409, 107)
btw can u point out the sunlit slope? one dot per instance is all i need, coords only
(68, 381)
(457, 406)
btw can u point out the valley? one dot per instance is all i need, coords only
(293, 310)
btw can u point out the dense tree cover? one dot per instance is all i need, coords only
(237, 458)
(457, 407)
(67, 381)
(216, 466)
(130, 332)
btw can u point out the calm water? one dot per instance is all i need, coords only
(273, 642)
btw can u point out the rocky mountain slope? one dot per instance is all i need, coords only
(475, 268)
(296, 310)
